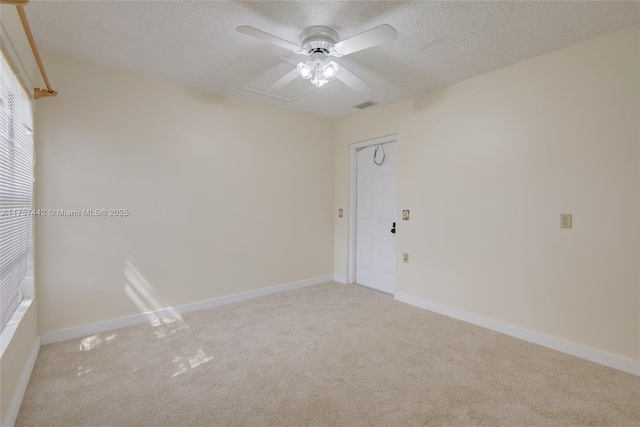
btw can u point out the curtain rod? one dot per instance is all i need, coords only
(37, 92)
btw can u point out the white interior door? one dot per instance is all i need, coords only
(376, 215)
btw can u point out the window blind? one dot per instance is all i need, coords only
(16, 187)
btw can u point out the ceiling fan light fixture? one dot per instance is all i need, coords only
(318, 75)
(330, 70)
(318, 80)
(304, 71)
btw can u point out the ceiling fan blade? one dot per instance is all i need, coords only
(282, 81)
(254, 32)
(374, 37)
(353, 81)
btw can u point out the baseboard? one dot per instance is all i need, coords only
(21, 388)
(340, 279)
(583, 352)
(123, 322)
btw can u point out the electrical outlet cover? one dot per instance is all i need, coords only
(566, 221)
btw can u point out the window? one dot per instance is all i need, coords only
(16, 188)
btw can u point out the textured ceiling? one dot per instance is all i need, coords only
(438, 43)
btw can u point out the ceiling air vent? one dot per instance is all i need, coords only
(365, 105)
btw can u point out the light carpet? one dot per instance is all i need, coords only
(324, 355)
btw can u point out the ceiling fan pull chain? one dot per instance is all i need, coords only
(375, 155)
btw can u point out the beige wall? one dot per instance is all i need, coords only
(15, 363)
(225, 196)
(487, 166)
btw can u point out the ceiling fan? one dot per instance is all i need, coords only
(320, 44)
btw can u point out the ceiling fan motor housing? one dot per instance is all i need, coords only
(319, 40)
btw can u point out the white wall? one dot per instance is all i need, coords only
(225, 196)
(16, 362)
(487, 166)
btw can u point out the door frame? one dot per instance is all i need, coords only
(353, 192)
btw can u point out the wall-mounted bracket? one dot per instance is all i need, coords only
(41, 93)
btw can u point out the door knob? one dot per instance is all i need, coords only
(393, 229)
